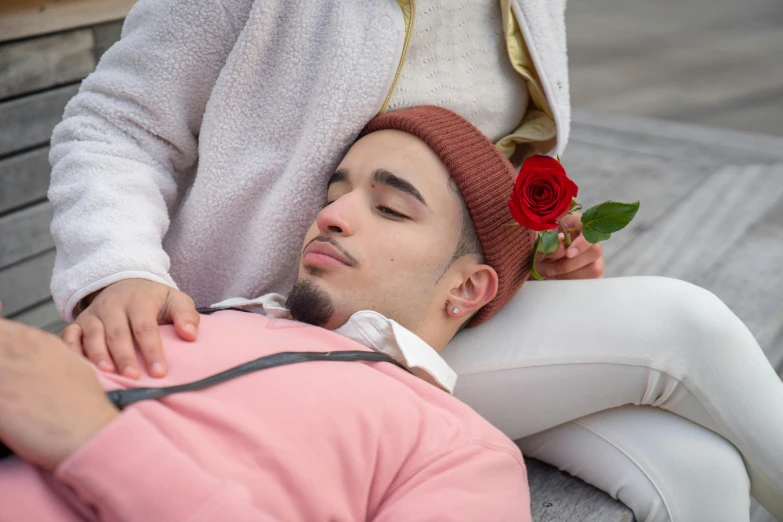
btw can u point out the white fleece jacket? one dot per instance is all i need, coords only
(196, 154)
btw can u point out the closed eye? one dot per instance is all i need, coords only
(390, 212)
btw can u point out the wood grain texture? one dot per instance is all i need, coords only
(29, 121)
(105, 36)
(48, 61)
(26, 284)
(25, 233)
(24, 178)
(25, 18)
(716, 62)
(558, 497)
(43, 316)
(659, 138)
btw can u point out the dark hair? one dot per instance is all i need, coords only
(469, 242)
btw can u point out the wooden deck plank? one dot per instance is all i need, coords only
(703, 226)
(607, 173)
(687, 61)
(25, 233)
(675, 80)
(29, 121)
(657, 138)
(25, 18)
(26, 284)
(41, 63)
(558, 497)
(762, 113)
(42, 316)
(105, 36)
(24, 178)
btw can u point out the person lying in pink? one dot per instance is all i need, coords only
(395, 265)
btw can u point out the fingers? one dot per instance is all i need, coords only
(126, 314)
(587, 264)
(572, 220)
(94, 341)
(181, 311)
(119, 342)
(72, 336)
(578, 246)
(144, 325)
(594, 270)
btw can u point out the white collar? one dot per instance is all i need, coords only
(374, 331)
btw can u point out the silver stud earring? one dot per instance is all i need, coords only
(455, 310)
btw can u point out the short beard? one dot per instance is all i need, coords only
(308, 304)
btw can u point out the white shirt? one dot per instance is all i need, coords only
(372, 330)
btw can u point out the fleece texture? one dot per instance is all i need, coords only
(196, 154)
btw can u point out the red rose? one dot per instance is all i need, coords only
(542, 193)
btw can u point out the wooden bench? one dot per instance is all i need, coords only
(675, 169)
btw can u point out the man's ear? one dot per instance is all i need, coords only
(479, 286)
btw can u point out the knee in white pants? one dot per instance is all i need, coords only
(694, 319)
(664, 467)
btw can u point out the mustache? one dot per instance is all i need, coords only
(335, 244)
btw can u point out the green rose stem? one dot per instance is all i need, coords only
(566, 233)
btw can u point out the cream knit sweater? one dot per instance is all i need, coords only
(195, 155)
(457, 57)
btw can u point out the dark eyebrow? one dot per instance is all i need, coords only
(338, 176)
(384, 177)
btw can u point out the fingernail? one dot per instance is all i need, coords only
(130, 372)
(572, 252)
(157, 369)
(191, 329)
(105, 366)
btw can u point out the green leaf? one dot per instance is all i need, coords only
(609, 217)
(574, 204)
(548, 242)
(591, 236)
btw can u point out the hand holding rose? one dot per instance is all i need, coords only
(543, 200)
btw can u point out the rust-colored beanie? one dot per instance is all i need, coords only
(486, 179)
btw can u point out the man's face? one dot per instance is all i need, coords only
(386, 237)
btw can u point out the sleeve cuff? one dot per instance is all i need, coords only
(72, 304)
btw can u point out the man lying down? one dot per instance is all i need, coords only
(393, 264)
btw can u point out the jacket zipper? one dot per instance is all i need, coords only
(408, 31)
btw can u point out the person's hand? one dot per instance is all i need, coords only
(50, 400)
(131, 310)
(582, 260)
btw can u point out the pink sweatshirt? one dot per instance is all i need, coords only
(314, 441)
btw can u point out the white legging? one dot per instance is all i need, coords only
(564, 351)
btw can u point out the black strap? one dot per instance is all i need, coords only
(122, 398)
(209, 310)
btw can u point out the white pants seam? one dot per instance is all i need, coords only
(572, 363)
(638, 465)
